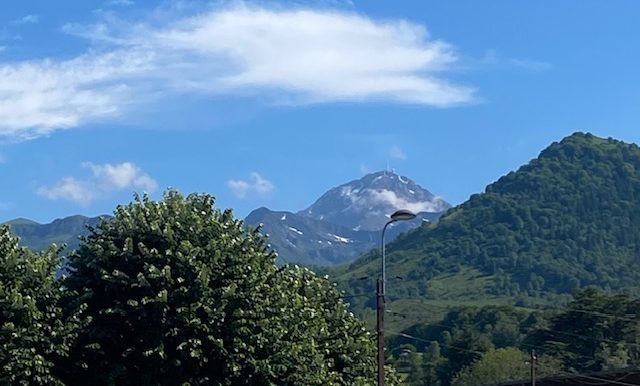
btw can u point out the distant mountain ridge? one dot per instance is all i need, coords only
(341, 225)
(65, 230)
(346, 221)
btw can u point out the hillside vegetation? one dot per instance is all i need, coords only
(566, 220)
(65, 231)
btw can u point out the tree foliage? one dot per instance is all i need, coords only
(598, 332)
(178, 292)
(462, 338)
(33, 334)
(503, 365)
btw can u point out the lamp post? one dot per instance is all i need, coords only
(399, 215)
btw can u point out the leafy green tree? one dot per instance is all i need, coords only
(32, 332)
(503, 365)
(417, 374)
(466, 347)
(597, 332)
(177, 292)
(433, 360)
(613, 356)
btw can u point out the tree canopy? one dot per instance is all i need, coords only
(177, 292)
(503, 365)
(33, 334)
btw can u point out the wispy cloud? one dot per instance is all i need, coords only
(530, 64)
(295, 55)
(255, 184)
(397, 153)
(26, 19)
(391, 198)
(495, 59)
(37, 98)
(124, 3)
(103, 179)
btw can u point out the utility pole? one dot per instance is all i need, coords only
(534, 363)
(380, 331)
(398, 215)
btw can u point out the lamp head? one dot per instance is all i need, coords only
(403, 215)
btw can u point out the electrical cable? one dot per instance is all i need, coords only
(565, 373)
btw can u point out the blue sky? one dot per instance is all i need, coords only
(272, 103)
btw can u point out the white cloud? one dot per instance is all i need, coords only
(294, 55)
(256, 183)
(238, 187)
(37, 98)
(26, 19)
(391, 198)
(69, 188)
(104, 179)
(397, 153)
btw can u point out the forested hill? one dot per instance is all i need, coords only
(61, 231)
(568, 219)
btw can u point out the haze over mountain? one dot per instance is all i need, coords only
(60, 231)
(345, 222)
(568, 219)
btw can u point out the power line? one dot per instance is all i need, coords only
(604, 381)
(545, 308)
(408, 336)
(540, 348)
(517, 324)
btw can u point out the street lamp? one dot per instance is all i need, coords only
(399, 215)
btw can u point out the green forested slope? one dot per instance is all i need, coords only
(568, 219)
(61, 231)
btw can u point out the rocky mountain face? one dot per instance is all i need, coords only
(346, 221)
(300, 239)
(366, 204)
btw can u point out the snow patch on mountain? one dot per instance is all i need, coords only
(292, 229)
(341, 239)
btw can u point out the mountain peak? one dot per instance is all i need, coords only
(346, 221)
(366, 203)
